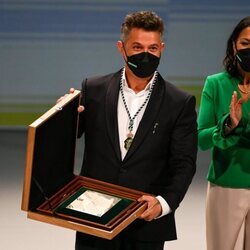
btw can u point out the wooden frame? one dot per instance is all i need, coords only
(108, 230)
(46, 188)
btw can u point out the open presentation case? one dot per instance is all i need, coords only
(53, 194)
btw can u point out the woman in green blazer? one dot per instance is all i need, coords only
(224, 127)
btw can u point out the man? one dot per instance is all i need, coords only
(140, 132)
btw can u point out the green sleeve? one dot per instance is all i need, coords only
(222, 141)
(244, 140)
(207, 119)
(211, 120)
(240, 136)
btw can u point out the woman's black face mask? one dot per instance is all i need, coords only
(243, 57)
(143, 64)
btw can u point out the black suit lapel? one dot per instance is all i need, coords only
(111, 112)
(148, 119)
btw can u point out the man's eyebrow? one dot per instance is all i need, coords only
(136, 43)
(154, 44)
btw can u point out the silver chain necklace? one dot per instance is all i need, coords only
(130, 136)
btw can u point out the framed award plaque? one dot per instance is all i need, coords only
(53, 194)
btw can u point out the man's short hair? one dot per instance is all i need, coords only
(146, 20)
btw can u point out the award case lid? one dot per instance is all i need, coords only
(50, 152)
(49, 174)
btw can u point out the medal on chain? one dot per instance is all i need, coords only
(128, 141)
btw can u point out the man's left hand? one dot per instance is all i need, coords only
(153, 210)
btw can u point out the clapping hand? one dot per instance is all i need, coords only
(235, 110)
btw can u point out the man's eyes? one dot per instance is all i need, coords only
(137, 47)
(151, 49)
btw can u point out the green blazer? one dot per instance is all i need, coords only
(230, 165)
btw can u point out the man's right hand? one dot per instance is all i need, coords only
(71, 91)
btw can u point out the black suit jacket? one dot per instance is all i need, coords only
(162, 157)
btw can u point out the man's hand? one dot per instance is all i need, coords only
(153, 210)
(71, 91)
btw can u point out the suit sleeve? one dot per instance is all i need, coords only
(183, 152)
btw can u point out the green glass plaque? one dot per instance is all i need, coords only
(95, 206)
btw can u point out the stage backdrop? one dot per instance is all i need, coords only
(46, 47)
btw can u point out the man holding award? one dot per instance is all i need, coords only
(140, 133)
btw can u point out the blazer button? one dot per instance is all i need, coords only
(123, 170)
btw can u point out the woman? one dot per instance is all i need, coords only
(224, 126)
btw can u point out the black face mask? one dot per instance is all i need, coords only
(143, 64)
(243, 57)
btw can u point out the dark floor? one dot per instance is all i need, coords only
(18, 232)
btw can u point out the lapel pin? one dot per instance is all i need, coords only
(155, 126)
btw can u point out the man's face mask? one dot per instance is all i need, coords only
(243, 57)
(143, 64)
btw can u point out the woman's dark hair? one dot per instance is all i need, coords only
(229, 61)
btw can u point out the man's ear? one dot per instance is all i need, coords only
(119, 45)
(163, 46)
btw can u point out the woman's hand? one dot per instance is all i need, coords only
(235, 110)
